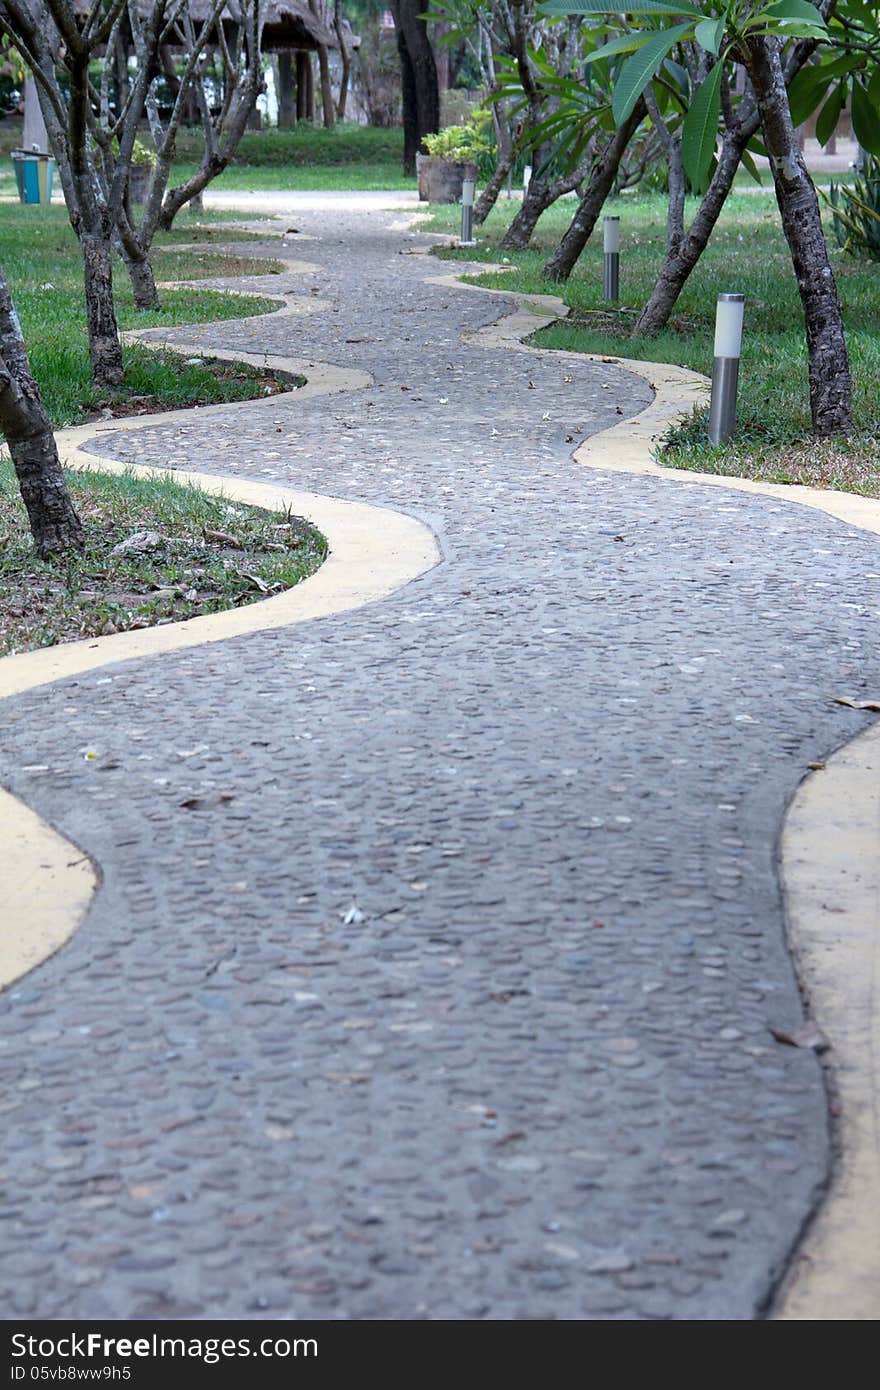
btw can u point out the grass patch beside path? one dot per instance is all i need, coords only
(748, 254)
(42, 260)
(206, 554)
(346, 157)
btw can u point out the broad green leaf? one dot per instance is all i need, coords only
(874, 89)
(830, 114)
(627, 43)
(709, 33)
(638, 70)
(795, 9)
(554, 7)
(751, 167)
(805, 91)
(699, 130)
(865, 120)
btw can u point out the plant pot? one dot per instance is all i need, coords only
(440, 179)
(139, 181)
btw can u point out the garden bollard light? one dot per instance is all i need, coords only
(611, 240)
(468, 188)
(725, 370)
(527, 178)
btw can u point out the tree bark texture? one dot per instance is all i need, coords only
(286, 100)
(601, 181)
(143, 282)
(830, 380)
(418, 71)
(105, 349)
(489, 196)
(54, 523)
(345, 59)
(678, 265)
(328, 108)
(303, 66)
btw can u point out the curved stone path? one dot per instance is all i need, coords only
(450, 996)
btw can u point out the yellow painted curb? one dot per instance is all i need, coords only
(47, 888)
(48, 883)
(831, 871)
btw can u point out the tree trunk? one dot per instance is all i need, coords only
(303, 63)
(536, 199)
(143, 282)
(489, 196)
(328, 109)
(418, 71)
(675, 210)
(286, 102)
(830, 381)
(54, 524)
(105, 350)
(345, 59)
(677, 266)
(311, 110)
(602, 176)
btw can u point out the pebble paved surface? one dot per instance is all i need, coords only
(446, 992)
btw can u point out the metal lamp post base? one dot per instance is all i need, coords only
(467, 224)
(722, 408)
(612, 275)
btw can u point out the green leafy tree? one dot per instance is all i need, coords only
(755, 35)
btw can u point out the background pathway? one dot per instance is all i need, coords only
(449, 995)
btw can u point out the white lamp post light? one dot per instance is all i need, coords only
(611, 243)
(725, 369)
(468, 188)
(527, 178)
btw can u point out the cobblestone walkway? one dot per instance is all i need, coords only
(449, 996)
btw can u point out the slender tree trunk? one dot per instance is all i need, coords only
(536, 199)
(345, 59)
(489, 196)
(54, 524)
(105, 350)
(421, 91)
(678, 265)
(830, 380)
(328, 109)
(286, 102)
(303, 62)
(143, 282)
(311, 109)
(675, 210)
(604, 172)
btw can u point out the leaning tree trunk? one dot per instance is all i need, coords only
(489, 196)
(536, 199)
(830, 380)
(677, 266)
(604, 172)
(54, 524)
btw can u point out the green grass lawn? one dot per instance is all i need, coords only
(346, 157)
(42, 260)
(747, 254)
(206, 554)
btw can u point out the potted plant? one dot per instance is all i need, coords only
(140, 172)
(452, 157)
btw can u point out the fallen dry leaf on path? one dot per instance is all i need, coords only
(808, 1035)
(858, 704)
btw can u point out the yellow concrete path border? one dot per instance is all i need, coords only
(829, 861)
(48, 883)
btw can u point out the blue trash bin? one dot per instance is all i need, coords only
(33, 174)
